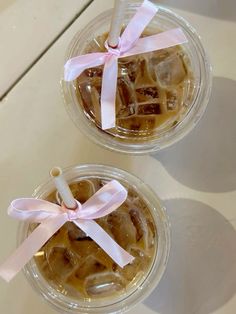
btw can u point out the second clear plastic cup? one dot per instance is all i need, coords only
(138, 286)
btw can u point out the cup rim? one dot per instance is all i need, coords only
(171, 136)
(156, 270)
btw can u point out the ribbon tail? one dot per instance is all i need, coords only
(108, 94)
(30, 246)
(170, 38)
(104, 201)
(137, 24)
(75, 66)
(102, 238)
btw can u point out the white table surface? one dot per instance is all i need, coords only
(195, 178)
(27, 29)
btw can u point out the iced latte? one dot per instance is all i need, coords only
(76, 266)
(160, 95)
(154, 90)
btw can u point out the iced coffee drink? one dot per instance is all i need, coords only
(74, 275)
(76, 266)
(154, 91)
(160, 95)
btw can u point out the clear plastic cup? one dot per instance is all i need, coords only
(165, 19)
(144, 285)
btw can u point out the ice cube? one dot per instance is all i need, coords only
(148, 93)
(173, 99)
(135, 270)
(149, 108)
(122, 228)
(126, 111)
(84, 89)
(142, 220)
(140, 224)
(128, 124)
(144, 77)
(171, 71)
(60, 239)
(84, 248)
(141, 123)
(140, 203)
(132, 195)
(105, 225)
(158, 56)
(87, 248)
(89, 266)
(62, 262)
(82, 190)
(104, 284)
(152, 232)
(147, 123)
(89, 94)
(129, 66)
(125, 98)
(162, 54)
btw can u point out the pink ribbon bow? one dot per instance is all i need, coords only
(130, 44)
(52, 217)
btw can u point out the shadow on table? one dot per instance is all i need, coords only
(4, 4)
(201, 271)
(214, 8)
(205, 158)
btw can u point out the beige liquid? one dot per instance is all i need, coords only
(76, 266)
(154, 90)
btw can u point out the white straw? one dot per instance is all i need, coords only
(63, 188)
(116, 22)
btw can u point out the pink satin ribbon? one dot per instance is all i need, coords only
(52, 217)
(130, 44)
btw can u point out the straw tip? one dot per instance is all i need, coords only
(55, 172)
